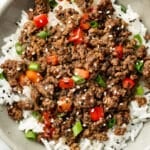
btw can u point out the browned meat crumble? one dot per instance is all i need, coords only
(96, 55)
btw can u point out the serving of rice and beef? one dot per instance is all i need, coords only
(76, 74)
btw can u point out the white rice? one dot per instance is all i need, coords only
(139, 115)
(30, 123)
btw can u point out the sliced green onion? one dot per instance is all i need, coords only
(111, 122)
(30, 135)
(52, 3)
(43, 34)
(101, 81)
(123, 8)
(70, 44)
(34, 66)
(2, 75)
(139, 40)
(61, 115)
(78, 80)
(36, 115)
(19, 48)
(139, 65)
(139, 90)
(77, 128)
(94, 24)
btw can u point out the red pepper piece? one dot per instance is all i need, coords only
(96, 113)
(46, 117)
(76, 36)
(66, 83)
(40, 20)
(128, 83)
(84, 24)
(119, 51)
(53, 59)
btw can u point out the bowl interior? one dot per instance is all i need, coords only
(8, 129)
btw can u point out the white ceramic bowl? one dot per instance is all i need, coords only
(10, 11)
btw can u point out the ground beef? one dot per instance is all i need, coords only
(35, 96)
(24, 105)
(74, 146)
(95, 55)
(141, 101)
(48, 104)
(14, 112)
(41, 89)
(41, 7)
(146, 71)
(123, 106)
(12, 70)
(122, 117)
(141, 52)
(120, 131)
(100, 136)
(146, 68)
(68, 16)
(84, 4)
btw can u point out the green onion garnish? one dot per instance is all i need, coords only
(111, 122)
(43, 34)
(30, 135)
(2, 75)
(101, 81)
(19, 48)
(52, 3)
(36, 115)
(139, 65)
(78, 80)
(139, 90)
(77, 128)
(94, 24)
(123, 8)
(34, 66)
(139, 40)
(61, 115)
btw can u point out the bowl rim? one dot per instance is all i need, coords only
(3, 136)
(4, 4)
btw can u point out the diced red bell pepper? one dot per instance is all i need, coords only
(33, 76)
(40, 21)
(96, 113)
(85, 16)
(76, 36)
(23, 79)
(128, 83)
(64, 104)
(82, 73)
(84, 24)
(92, 9)
(48, 131)
(46, 118)
(53, 59)
(119, 51)
(66, 83)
